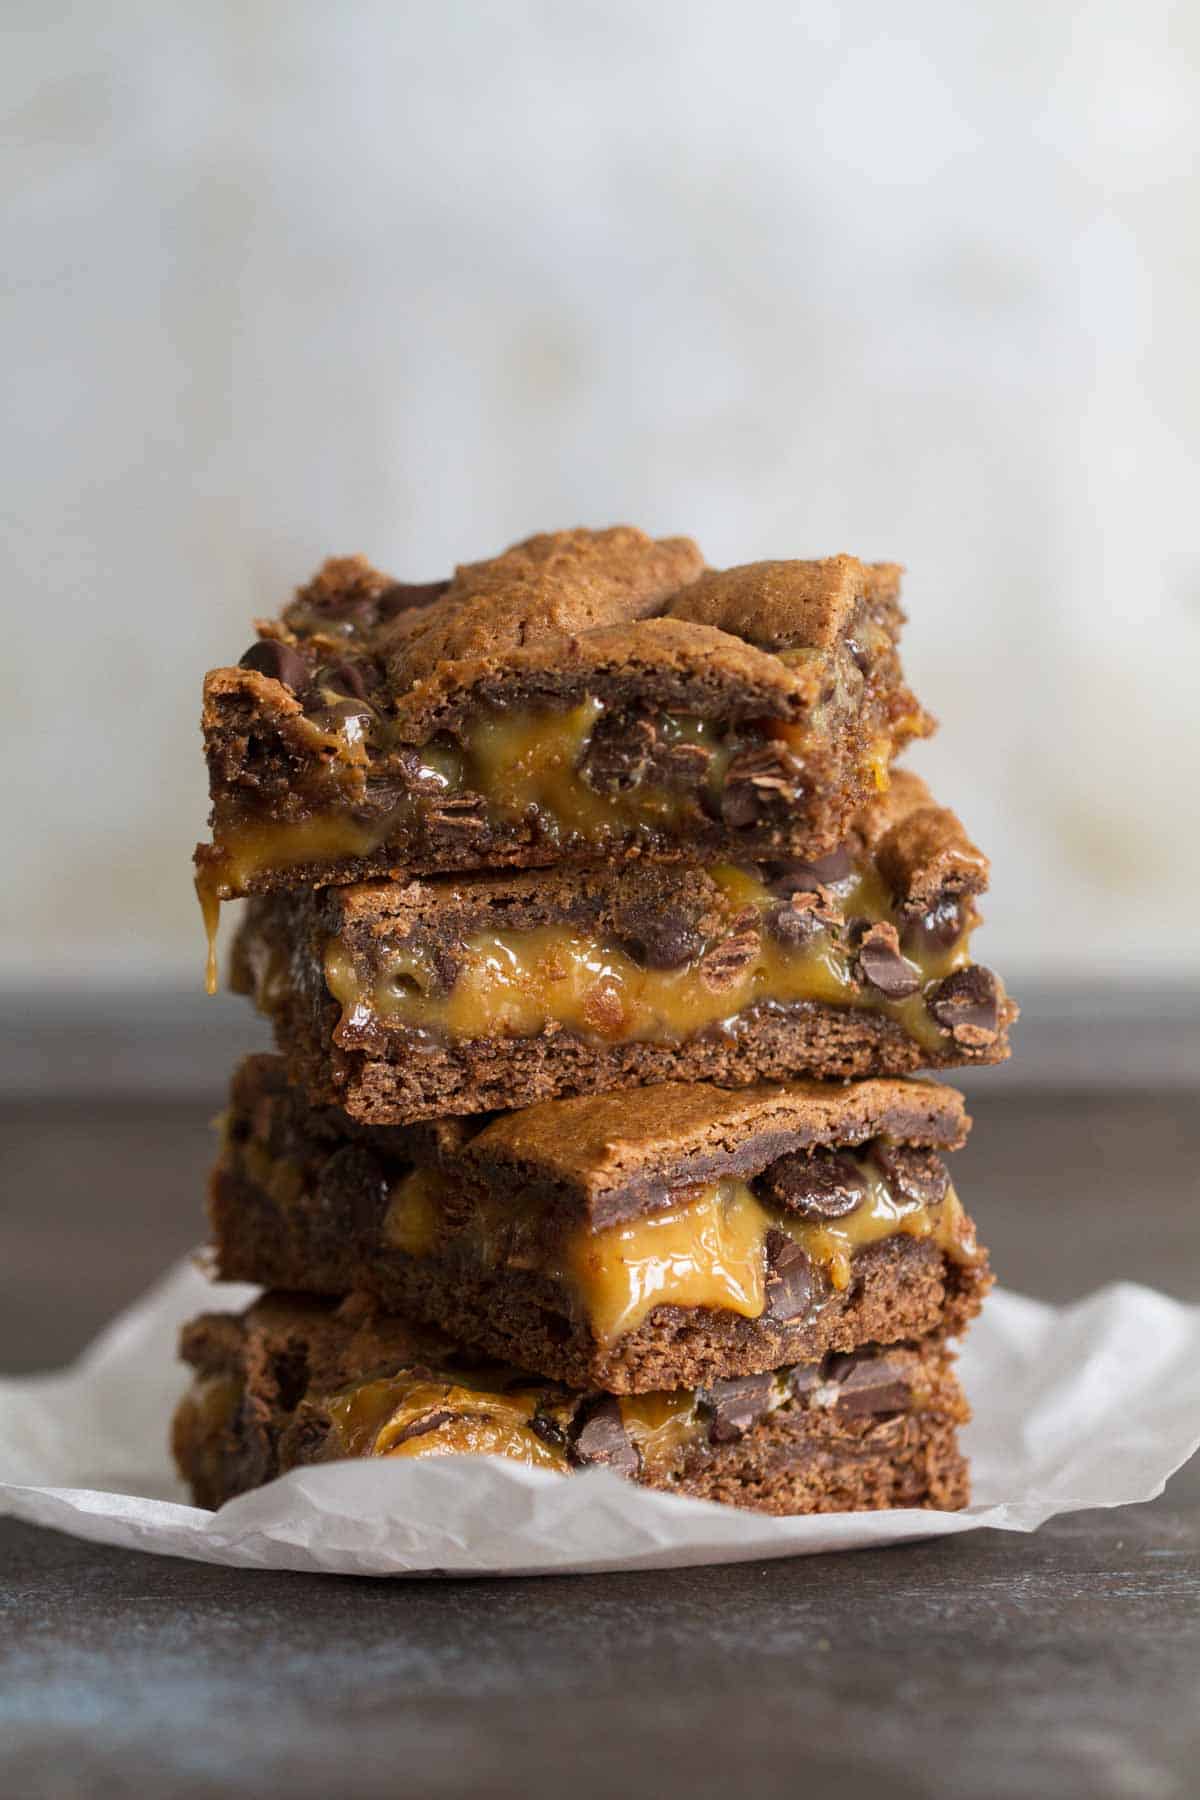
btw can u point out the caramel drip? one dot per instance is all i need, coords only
(708, 1250)
(210, 912)
(518, 983)
(708, 1247)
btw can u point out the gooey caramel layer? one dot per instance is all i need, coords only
(413, 1413)
(518, 763)
(707, 1248)
(416, 1413)
(516, 984)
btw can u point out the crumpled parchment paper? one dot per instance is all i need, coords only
(1095, 1404)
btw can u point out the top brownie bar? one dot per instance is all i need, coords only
(585, 694)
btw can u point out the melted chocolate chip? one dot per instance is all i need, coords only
(758, 782)
(279, 661)
(870, 1385)
(798, 920)
(350, 678)
(658, 938)
(789, 1284)
(938, 929)
(727, 962)
(818, 1184)
(734, 1406)
(423, 1426)
(881, 965)
(603, 1441)
(804, 1378)
(911, 1173)
(618, 753)
(967, 1005)
(787, 878)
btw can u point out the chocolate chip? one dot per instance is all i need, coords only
(881, 965)
(817, 1184)
(279, 661)
(735, 1405)
(938, 929)
(870, 1385)
(789, 1283)
(798, 920)
(347, 678)
(725, 964)
(618, 753)
(603, 1440)
(787, 878)
(658, 938)
(911, 1173)
(549, 1430)
(422, 1427)
(804, 1378)
(967, 1005)
(758, 782)
(404, 595)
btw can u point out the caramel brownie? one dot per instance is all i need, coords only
(401, 1001)
(587, 693)
(293, 1382)
(663, 1238)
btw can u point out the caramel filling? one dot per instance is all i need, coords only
(708, 1248)
(416, 1413)
(419, 1413)
(661, 1426)
(518, 765)
(521, 983)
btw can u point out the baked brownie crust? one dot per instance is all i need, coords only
(362, 982)
(293, 1382)
(515, 1268)
(360, 735)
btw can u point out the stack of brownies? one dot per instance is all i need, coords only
(601, 940)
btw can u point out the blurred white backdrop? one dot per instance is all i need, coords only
(411, 279)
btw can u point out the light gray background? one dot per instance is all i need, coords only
(917, 282)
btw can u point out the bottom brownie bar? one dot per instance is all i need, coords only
(295, 1381)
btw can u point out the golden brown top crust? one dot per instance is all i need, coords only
(921, 849)
(551, 586)
(605, 1144)
(582, 601)
(786, 605)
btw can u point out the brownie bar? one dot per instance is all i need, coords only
(293, 1382)
(402, 1001)
(664, 1239)
(584, 693)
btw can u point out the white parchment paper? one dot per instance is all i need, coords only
(1092, 1405)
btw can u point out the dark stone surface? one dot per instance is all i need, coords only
(989, 1666)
